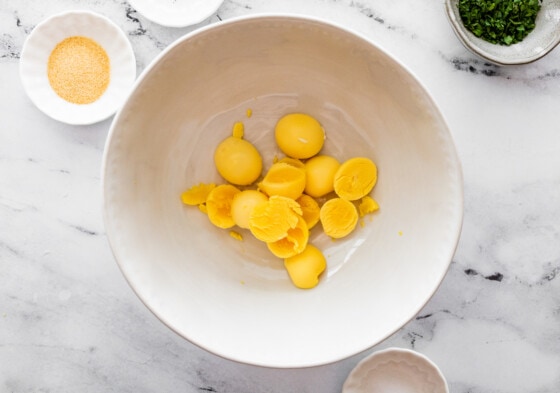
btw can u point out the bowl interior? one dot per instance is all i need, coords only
(233, 298)
(544, 37)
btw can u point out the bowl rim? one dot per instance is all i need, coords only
(457, 228)
(468, 40)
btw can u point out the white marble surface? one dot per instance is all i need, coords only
(70, 323)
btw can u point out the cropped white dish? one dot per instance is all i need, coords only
(44, 38)
(234, 298)
(176, 13)
(395, 370)
(543, 39)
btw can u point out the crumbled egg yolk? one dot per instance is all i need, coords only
(197, 195)
(236, 235)
(292, 161)
(338, 217)
(310, 210)
(299, 135)
(293, 243)
(238, 130)
(285, 205)
(355, 178)
(271, 220)
(367, 205)
(218, 205)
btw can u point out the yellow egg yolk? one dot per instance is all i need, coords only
(238, 161)
(243, 204)
(218, 205)
(293, 243)
(271, 220)
(367, 205)
(283, 179)
(338, 217)
(238, 130)
(355, 178)
(305, 268)
(299, 135)
(197, 195)
(236, 235)
(310, 210)
(285, 205)
(319, 175)
(293, 162)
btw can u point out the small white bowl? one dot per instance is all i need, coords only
(543, 39)
(395, 370)
(176, 13)
(44, 38)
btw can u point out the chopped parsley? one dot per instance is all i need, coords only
(502, 22)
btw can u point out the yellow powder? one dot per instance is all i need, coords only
(79, 70)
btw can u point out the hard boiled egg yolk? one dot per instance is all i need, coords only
(355, 178)
(338, 217)
(286, 204)
(367, 205)
(293, 243)
(218, 205)
(299, 135)
(283, 179)
(238, 130)
(238, 161)
(310, 210)
(197, 195)
(305, 268)
(243, 204)
(293, 162)
(270, 221)
(319, 173)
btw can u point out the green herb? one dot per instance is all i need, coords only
(502, 22)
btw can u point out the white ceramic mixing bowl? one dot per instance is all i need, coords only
(234, 298)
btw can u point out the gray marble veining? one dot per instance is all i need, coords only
(70, 323)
